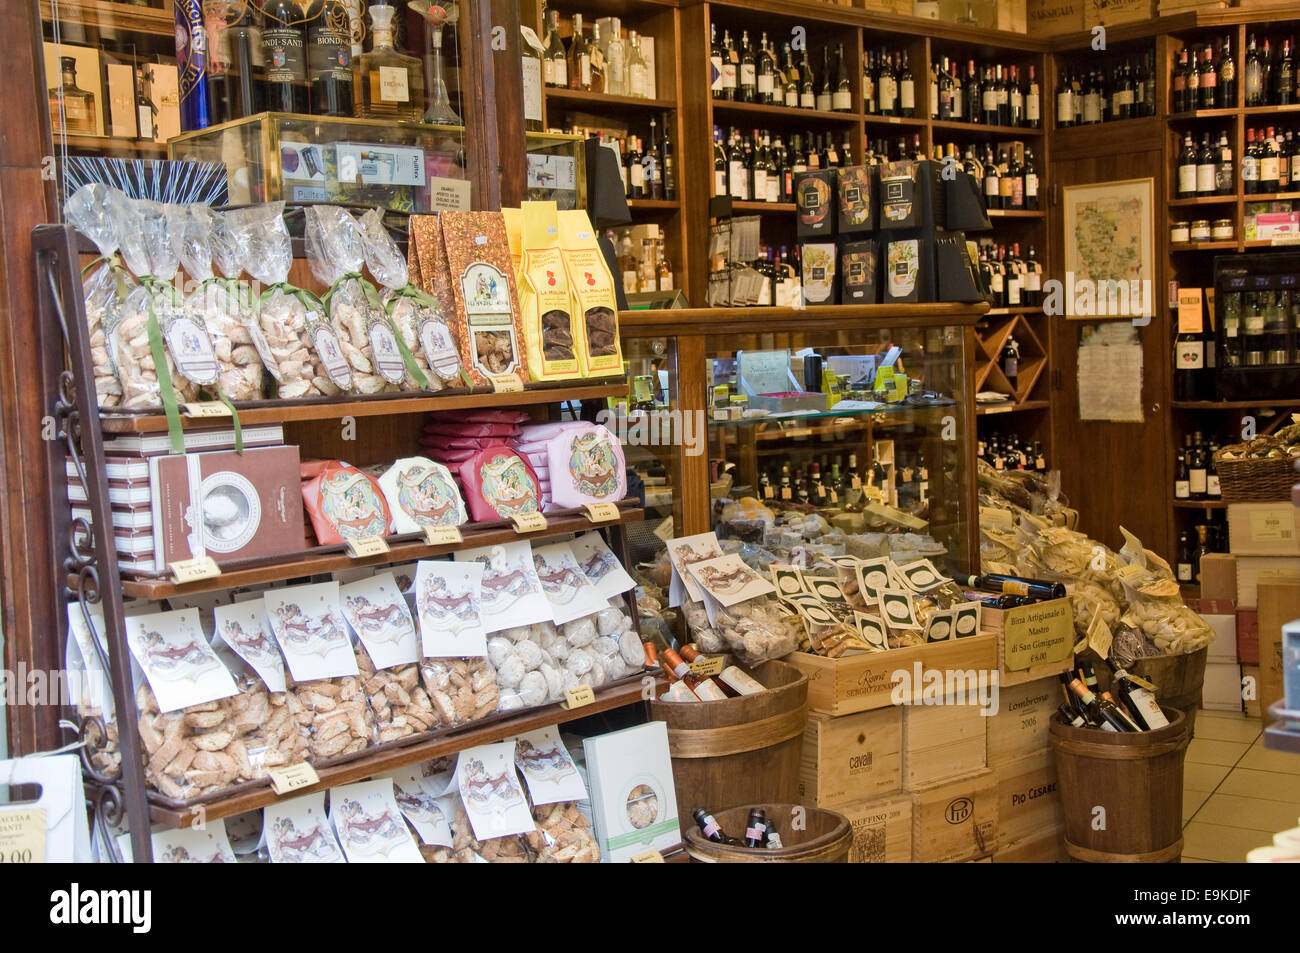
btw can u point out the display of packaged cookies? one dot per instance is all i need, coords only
(544, 299)
(344, 503)
(499, 484)
(595, 305)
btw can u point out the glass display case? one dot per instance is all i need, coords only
(402, 166)
(557, 169)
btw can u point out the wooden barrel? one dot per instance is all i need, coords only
(811, 835)
(744, 750)
(1136, 778)
(1177, 678)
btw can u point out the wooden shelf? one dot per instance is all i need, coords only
(581, 97)
(1014, 213)
(978, 128)
(738, 205)
(382, 759)
(1270, 196)
(1226, 113)
(651, 321)
(1204, 200)
(872, 119)
(1263, 402)
(109, 144)
(1200, 505)
(1203, 246)
(117, 16)
(1003, 312)
(289, 411)
(1271, 110)
(403, 548)
(1010, 407)
(723, 107)
(654, 204)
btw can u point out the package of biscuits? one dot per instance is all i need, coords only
(487, 323)
(345, 503)
(591, 288)
(500, 484)
(544, 299)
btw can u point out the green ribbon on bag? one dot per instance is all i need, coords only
(426, 300)
(158, 351)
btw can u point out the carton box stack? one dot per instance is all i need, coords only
(1031, 826)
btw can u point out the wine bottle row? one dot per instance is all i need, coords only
(607, 62)
(761, 168)
(648, 165)
(746, 72)
(1205, 75)
(1195, 545)
(1015, 282)
(760, 831)
(1124, 90)
(1012, 452)
(1130, 705)
(1195, 474)
(991, 94)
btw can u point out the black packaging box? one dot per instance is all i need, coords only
(856, 206)
(911, 194)
(859, 273)
(814, 196)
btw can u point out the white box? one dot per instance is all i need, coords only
(1221, 690)
(121, 100)
(1223, 648)
(633, 802)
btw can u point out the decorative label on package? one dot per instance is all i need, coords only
(326, 343)
(825, 588)
(729, 580)
(190, 845)
(941, 625)
(968, 619)
(298, 831)
(682, 553)
(902, 269)
(177, 660)
(873, 576)
(88, 683)
(383, 345)
(600, 565)
(594, 302)
(243, 627)
(512, 594)
(189, 345)
(489, 787)
(787, 581)
(439, 348)
(548, 768)
(544, 299)
(421, 493)
(586, 465)
(378, 614)
(420, 799)
(345, 503)
(921, 576)
(566, 587)
(897, 608)
(873, 631)
(447, 604)
(308, 625)
(369, 824)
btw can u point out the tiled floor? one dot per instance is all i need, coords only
(1236, 793)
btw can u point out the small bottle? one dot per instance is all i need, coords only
(387, 84)
(709, 827)
(755, 827)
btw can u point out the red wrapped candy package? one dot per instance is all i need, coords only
(345, 503)
(499, 484)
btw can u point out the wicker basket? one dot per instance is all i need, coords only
(1255, 480)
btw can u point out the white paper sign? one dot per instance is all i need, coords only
(88, 683)
(511, 593)
(308, 624)
(448, 606)
(191, 845)
(565, 585)
(420, 800)
(600, 565)
(682, 553)
(177, 660)
(377, 612)
(369, 824)
(729, 580)
(548, 768)
(298, 831)
(244, 628)
(489, 787)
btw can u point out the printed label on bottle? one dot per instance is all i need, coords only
(330, 54)
(729, 75)
(1191, 355)
(1205, 178)
(74, 109)
(561, 70)
(906, 96)
(1031, 185)
(1212, 484)
(1031, 107)
(1013, 292)
(719, 182)
(715, 73)
(1011, 368)
(1033, 281)
(1249, 169)
(1092, 108)
(747, 74)
(760, 184)
(326, 344)
(765, 83)
(1186, 179)
(282, 52)
(190, 347)
(792, 98)
(1196, 481)
(145, 119)
(1268, 169)
(393, 84)
(773, 190)
(1065, 105)
(991, 187)
(1182, 489)
(990, 101)
(532, 72)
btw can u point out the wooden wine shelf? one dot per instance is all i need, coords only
(1204, 200)
(666, 205)
(1200, 505)
(871, 119)
(390, 757)
(1006, 312)
(724, 107)
(1203, 246)
(1291, 109)
(109, 144)
(128, 18)
(402, 548)
(1261, 403)
(1203, 114)
(582, 97)
(1014, 213)
(1010, 407)
(274, 412)
(981, 129)
(739, 205)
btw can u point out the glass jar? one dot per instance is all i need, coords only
(1201, 230)
(1179, 233)
(1221, 230)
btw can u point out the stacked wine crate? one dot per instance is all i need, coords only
(1031, 825)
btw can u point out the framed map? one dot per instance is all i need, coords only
(1109, 236)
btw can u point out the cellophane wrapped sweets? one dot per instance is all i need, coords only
(215, 306)
(416, 317)
(305, 357)
(336, 252)
(154, 326)
(105, 287)
(755, 630)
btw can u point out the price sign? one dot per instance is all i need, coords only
(293, 777)
(529, 522)
(367, 546)
(507, 384)
(707, 665)
(578, 697)
(192, 570)
(22, 836)
(602, 512)
(205, 408)
(443, 535)
(649, 857)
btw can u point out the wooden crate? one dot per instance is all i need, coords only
(1029, 800)
(1046, 849)
(1033, 641)
(1020, 727)
(851, 758)
(882, 829)
(955, 820)
(1112, 12)
(874, 679)
(1054, 17)
(941, 741)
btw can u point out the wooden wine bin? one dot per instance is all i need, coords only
(868, 681)
(852, 757)
(1034, 641)
(955, 820)
(1022, 725)
(882, 830)
(1029, 801)
(941, 742)
(1047, 849)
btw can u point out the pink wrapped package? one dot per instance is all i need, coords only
(461, 443)
(538, 433)
(450, 456)
(481, 416)
(440, 429)
(586, 465)
(499, 484)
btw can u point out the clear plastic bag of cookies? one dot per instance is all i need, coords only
(400, 704)
(461, 689)
(333, 716)
(105, 286)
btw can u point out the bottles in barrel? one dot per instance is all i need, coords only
(756, 828)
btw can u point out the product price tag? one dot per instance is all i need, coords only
(22, 836)
(1100, 637)
(707, 665)
(192, 570)
(205, 408)
(443, 535)
(365, 546)
(293, 777)
(528, 522)
(602, 512)
(579, 696)
(649, 857)
(507, 384)
(1162, 589)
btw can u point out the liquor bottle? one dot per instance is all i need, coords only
(1284, 83)
(767, 88)
(790, 90)
(1033, 286)
(650, 164)
(709, 689)
(1202, 549)
(579, 64)
(702, 686)
(1072, 717)
(1223, 169)
(1064, 102)
(755, 827)
(386, 84)
(1182, 478)
(144, 108)
(1206, 168)
(842, 97)
(1207, 81)
(758, 169)
(906, 89)
(748, 75)
(1196, 470)
(1268, 163)
(1213, 490)
(988, 99)
(709, 827)
(886, 87)
(992, 187)
(1101, 712)
(824, 91)
(555, 63)
(1179, 83)
(1187, 168)
(1139, 698)
(284, 56)
(807, 98)
(1184, 569)
(944, 104)
(236, 75)
(1092, 100)
(1015, 99)
(329, 58)
(1007, 177)
(531, 55)
(636, 184)
(671, 673)
(1033, 108)
(1013, 585)
(1256, 91)
(1250, 165)
(616, 60)
(638, 71)
(870, 94)
(668, 162)
(598, 64)
(1015, 275)
(716, 58)
(1030, 173)
(1227, 75)
(72, 109)
(1009, 359)
(191, 68)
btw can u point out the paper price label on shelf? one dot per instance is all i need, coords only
(579, 696)
(529, 522)
(292, 778)
(443, 535)
(205, 408)
(649, 857)
(192, 570)
(367, 546)
(22, 836)
(507, 384)
(708, 665)
(602, 512)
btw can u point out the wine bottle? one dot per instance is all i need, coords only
(1101, 712)
(755, 827)
(1140, 697)
(1014, 585)
(709, 827)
